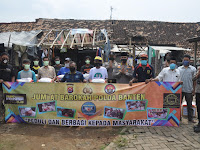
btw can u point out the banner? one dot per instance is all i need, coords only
(93, 104)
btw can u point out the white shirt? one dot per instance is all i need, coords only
(100, 73)
(167, 75)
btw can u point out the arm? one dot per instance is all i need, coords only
(34, 77)
(18, 75)
(134, 77)
(59, 72)
(54, 75)
(39, 74)
(63, 79)
(116, 73)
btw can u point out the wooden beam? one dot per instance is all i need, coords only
(56, 39)
(65, 40)
(83, 40)
(73, 41)
(94, 37)
(44, 38)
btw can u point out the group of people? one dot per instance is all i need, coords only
(110, 71)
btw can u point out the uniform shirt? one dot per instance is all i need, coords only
(63, 70)
(187, 75)
(100, 73)
(26, 74)
(69, 77)
(120, 77)
(48, 72)
(141, 74)
(35, 69)
(167, 75)
(57, 68)
(86, 69)
(109, 69)
(6, 73)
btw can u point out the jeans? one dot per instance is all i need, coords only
(188, 98)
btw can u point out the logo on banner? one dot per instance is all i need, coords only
(87, 90)
(70, 88)
(110, 89)
(171, 100)
(88, 108)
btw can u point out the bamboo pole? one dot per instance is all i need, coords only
(56, 39)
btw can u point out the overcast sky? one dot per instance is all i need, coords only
(152, 10)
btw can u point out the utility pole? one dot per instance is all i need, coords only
(111, 9)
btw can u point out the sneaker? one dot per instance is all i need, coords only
(197, 129)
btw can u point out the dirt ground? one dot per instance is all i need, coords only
(36, 137)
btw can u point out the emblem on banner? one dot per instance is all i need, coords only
(171, 100)
(87, 90)
(110, 89)
(88, 108)
(70, 88)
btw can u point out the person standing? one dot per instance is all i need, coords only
(47, 71)
(123, 73)
(98, 72)
(187, 73)
(169, 74)
(73, 75)
(64, 69)
(57, 65)
(36, 65)
(142, 72)
(110, 66)
(85, 69)
(26, 72)
(6, 74)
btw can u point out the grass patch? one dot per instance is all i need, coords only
(121, 142)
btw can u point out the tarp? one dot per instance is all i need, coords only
(24, 38)
(93, 104)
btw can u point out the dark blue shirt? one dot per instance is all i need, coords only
(143, 74)
(77, 77)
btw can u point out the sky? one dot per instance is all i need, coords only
(151, 10)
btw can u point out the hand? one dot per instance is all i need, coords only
(1, 81)
(123, 70)
(131, 83)
(181, 82)
(148, 80)
(193, 92)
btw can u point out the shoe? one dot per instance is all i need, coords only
(192, 121)
(197, 126)
(197, 129)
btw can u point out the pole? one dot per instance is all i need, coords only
(195, 54)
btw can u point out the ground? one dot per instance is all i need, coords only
(36, 137)
(27, 136)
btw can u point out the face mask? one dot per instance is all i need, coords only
(57, 62)
(124, 60)
(72, 69)
(144, 62)
(36, 63)
(186, 63)
(67, 65)
(5, 61)
(172, 66)
(46, 63)
(97, 64)
(26, 66)
(87, 61)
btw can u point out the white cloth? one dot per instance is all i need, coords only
(167, 75)
(100, 73)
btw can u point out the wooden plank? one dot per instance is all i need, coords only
(44, 38)
(56, 39)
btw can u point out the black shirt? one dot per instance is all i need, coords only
(6, 73)
(86, 69)
(141, 74)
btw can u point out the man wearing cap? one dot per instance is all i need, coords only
(6, 74)
(143, 72)
(64, 69)
(98, 72)
(123, 73)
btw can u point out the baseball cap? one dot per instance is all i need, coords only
(143, 56)
(98, 58)
(67, 59)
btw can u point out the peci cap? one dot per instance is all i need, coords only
(98, 58)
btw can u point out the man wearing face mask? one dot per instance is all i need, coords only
(86, 68)
(123, 73)
(98, 72)
(73, 75)
(6, 74)
(143, 72)
(26, 72)
(64, 69)
(36, 65)
(110, 65)
(169, 74)
(46, 71)
(57, 65)
(187, 73)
